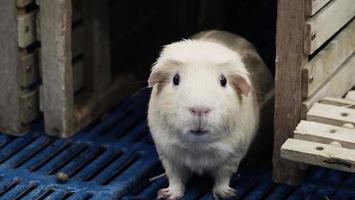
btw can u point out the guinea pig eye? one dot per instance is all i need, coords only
(223, 81)
(176, 79)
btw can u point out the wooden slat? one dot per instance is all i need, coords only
(290, 58)
(324, 155)
(350, 95)
(26, 29)
(29, 101)
(65, 112)
(330, 114)
(327, 22)
(57, 91)
(313, 6)
(338, 102)
(10, 90)
(336, 86)
(327, 61)
(325, 133)
(28, 69)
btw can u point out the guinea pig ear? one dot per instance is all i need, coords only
(241, 83)
(158, 75)
(161, 72)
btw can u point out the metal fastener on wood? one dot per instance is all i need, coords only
(313, 36)
(311, 78)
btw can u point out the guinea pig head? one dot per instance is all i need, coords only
(198, 90)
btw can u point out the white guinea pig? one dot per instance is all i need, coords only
(205, 106)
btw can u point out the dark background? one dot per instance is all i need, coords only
(139, 29)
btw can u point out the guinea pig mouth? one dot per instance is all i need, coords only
(198, 132)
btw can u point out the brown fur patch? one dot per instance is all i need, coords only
(240, 85)
(160, 76)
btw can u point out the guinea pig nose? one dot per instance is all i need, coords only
(200, 111)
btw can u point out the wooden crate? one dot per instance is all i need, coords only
(78, 85)
(327, 138)
(314, 59)
(18, 66)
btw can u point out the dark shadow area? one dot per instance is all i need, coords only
(140, 28)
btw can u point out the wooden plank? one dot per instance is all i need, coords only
(26, 29)
(28, 69)
(325, 133)
(350, 95)
(10, 90)
(290, 58)
(329, 114)
(66, 113)
(29, 103)
(341, 82)
(338, 102)
(327, 61)
(313, 6)
(57, 91)
(324, 24)
(324, 155)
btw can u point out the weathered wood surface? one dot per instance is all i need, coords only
(333, 115)
(26, 29)
(325, 133)
(341, 82)
(57, 91)
(350, 95)
(18, 105)
(327, 22)
(328, 60)
(29, 101)
(338, 102)
(28, 69)
(313, 6)
(9, 101)
(290, 58)
(78, 85)
(324, 155)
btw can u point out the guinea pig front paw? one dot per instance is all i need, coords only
(170, 193)
(224, 192)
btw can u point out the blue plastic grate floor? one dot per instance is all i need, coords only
(115, 158)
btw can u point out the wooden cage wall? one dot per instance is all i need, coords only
(18, 66)
(314, 58)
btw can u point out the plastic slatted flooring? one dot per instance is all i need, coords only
(115, 158)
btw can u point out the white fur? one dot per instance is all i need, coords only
(231, 123)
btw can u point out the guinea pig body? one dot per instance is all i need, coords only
(204, 108)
